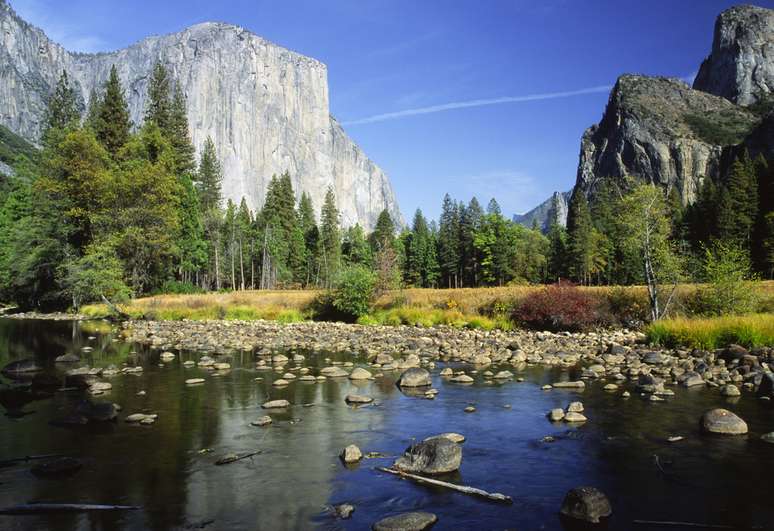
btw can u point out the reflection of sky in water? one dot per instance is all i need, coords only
(298, 473)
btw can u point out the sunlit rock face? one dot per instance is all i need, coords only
(741, 65)
(265, 107)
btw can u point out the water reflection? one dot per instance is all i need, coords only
(168, 468)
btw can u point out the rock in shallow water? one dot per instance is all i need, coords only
(417, 521)
(360, 374)
(587, 504)
(414, 377)
(436, 455)
(722, 421)
(358, 399)
(261, 421)
(351, 454)
(275, 404)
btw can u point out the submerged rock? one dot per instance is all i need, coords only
(344, 511)
(586, 504)
(436, 455)
(722, 421)
(20, 367)
(59, 467)
(416, 521)
(97, 411)
(275, 404)
(262, 421)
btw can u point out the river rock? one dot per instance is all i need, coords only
(580, 384)
(572, 416)
(723, 422)
(575, 407)
(194, 381)
(453, 437)
(730, 390)
(416, 521)
(768, 437)
(344, 511)
(97, 411)
(556, 414)
(67, 358)
(503, 375)
(414, 377)
(351, 454)
(360, 374)
(167, 356)
(280, 382)
(20, 367)
(358, 399)
(275, 404)
(692, 379)
(586, 504)
(435, 456)
(462, 378)
(58, 467)
(261, 421)
(334, 372)
(384, 359)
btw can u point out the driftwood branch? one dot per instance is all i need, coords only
(49, 508)
(115, 310)
(693, 525)
(226, 459)
(472, 491)
(11, 462)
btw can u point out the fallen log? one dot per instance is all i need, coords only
(50, 508)
(231, 458)
(11, 462)
(694, 525)
(472, 491)
(115, 311)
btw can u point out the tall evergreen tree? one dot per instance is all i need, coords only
(193, 246)
(579, 238)
(179, 135)
(330, 239)
(557, 252)
(470, 261)
(209, 178)
(383, 233)
(449, 244)
(62, 111)
(113, 125)
(355, 248)
(92, 111)
(737, 208)
(158, 107)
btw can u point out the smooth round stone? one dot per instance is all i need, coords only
(100, 387)
(556, 414)
(547, 387)
(358, 399)
(138, 417)
(469, 409)
(462, 378)
(360, 374)
(194, 381)
(580, 384)
(575, 407)
(281, 382)
(307, 378)
(188, 364)
(503, 375)
(611, 387)
(167, 356)
(289, 376)
(344, 511)
(574, 417)
(415, 521)
(334, 372)
(447, 372)
(414, 377)
(722, 421)
(222, 366)
(261, 421)
(275, 404)
(351, 454)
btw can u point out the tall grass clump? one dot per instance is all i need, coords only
(753, 330)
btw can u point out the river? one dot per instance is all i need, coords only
(168, 468)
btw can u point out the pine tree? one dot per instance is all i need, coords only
(193, 247)
(579, 238)
(113, 124)
(557, 252)
(209, 178)
(355, 248)
(62, 111)
(158, 107)
(763, 247)
(737, 209)
(701, 216)
(470, 260)
(179, 135)
(92, 112)
(493, 207)
(308, 227)
(449, 243)
(330, 239)
(383, 233)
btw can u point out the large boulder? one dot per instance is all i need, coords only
(414, 377)
(433, 456)
(586, 504)
(722, 421)
(21, 367)
(418, 521)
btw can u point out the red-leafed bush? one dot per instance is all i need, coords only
(561, 306)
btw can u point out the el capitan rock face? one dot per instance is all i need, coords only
(265, 107)
(741, 65)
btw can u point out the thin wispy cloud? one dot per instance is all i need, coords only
(476, 103)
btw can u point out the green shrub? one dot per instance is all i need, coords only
(726, 270)
(179, 288)
(627, 307)
(354, 292)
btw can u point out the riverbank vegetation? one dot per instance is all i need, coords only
(124, 213)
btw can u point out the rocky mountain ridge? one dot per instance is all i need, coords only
(265, 107)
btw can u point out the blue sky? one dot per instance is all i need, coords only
(398, 68)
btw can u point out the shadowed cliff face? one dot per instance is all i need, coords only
(741, 65)
(265, 107)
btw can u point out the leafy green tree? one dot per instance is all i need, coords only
(727, 271)
(645, 226)
(113, 125)
(96, 275)
(355, 248)
(354, 291)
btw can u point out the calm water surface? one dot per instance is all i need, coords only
(297, 477)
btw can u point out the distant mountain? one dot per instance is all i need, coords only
(555, 207)
(265, 107)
